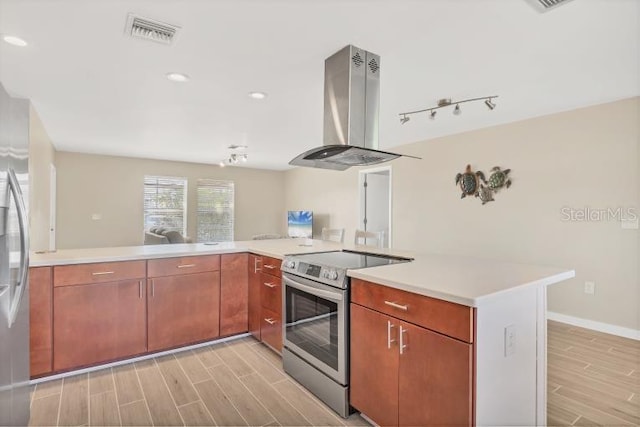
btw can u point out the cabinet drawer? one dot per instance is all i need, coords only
(81, 274)
(271, 266)
(448, 318)
(271, 292)
(271, 329)
(183, 265)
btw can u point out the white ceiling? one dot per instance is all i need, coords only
(98, 91)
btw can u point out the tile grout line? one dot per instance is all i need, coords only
(266, 382)
(59, 404)
(146, 404)
(213, 378)
(115, 392)
(196, 388)
(286, 378)
(164, 380)
(88, 399)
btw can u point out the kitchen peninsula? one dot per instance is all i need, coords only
(505, 303)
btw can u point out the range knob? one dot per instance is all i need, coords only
(330, 274)
(289, 264)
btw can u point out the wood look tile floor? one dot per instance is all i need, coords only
(593, 378)
(238, 383)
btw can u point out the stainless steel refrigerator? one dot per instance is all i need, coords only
(14, 260)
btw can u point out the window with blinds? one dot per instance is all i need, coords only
(215, 211)
(165, 203)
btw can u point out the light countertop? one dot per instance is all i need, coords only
(464, 280)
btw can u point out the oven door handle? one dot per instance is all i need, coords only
(331, 296)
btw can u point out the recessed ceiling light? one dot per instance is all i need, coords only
(16, 41)
(178, 77)
(257, 95)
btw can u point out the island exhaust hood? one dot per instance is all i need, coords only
(351, 105)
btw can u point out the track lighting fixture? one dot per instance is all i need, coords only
(446, 102)
(233, 159)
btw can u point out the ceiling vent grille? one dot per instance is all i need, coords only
(148, 29)
(544, 5)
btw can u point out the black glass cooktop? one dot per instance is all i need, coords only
(349, 259)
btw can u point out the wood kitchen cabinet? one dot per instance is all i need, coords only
(183, 308)
(265, 300)
(254, 272)
(100, 321)
(234, 294)
(271, 303)
(40, 321)
(406, 374)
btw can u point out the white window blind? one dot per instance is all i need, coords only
(215, 211)
(165, 203)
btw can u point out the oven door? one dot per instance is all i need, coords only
(315, 326)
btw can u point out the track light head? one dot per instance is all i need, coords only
(490, 104)
(432, 115)
(404, 119)
(457, 110)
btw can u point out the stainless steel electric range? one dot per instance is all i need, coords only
(316, 320)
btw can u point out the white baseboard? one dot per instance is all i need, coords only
(607, 328)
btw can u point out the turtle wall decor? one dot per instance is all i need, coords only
(499, 178)
(474, 183)
(469, 182)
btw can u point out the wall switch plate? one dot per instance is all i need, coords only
(509, 340)
(96, 217)
(590, 288)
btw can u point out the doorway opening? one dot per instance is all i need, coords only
(374, 213)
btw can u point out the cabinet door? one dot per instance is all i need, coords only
(271, 329)
(98, 322)
(40, 321)
(374, 365)
(254, 295)
(234, 294)
(435, 379)
(183, 309)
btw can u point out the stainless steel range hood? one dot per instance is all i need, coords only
(351, 106)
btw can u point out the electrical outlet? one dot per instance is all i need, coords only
(509, 340)
(590, 288)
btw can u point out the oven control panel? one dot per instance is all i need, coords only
(330, 275)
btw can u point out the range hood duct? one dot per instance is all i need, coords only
(351, 108)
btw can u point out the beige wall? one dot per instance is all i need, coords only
(41, 157)
(583, 158)
(113, 187)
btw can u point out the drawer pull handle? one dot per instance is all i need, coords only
(270, 321)
(102, 273)
(153, 289)
(186, 265)
(389, 340)
(269, 285)
(269, 266)
(140, 288)
(396, 305)
(402, 344)
(255, 264)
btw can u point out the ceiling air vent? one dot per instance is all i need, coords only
(544, 5)
(148, 29)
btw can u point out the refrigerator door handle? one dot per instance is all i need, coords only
(24, 243)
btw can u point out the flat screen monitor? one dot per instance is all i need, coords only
(300, 224)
